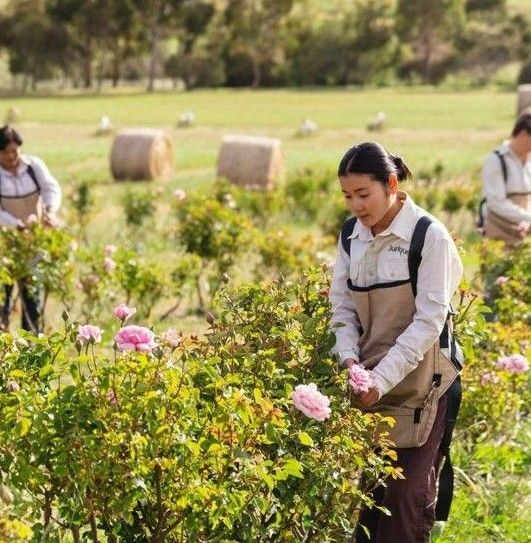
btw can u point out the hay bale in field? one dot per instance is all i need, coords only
(141, 153)
(13, 115)
(186, 118)
(253, 162)
(524, 98)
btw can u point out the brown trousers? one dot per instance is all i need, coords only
(411, 501)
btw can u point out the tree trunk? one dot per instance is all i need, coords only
(427, 45)
(153, 46)
(257, 73)
(116, 65)
(87, 68)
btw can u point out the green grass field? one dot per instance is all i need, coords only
(424, 125)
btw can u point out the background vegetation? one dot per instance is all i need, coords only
(281, 43)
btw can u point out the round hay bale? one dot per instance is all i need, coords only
(141, 154)
(252, 162)
(524, 98)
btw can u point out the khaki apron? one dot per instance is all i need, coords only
(385, 311)
(22, 207)
(498, 227)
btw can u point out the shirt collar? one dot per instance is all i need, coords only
(402, 225)
(22, 166)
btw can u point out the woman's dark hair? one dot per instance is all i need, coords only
(371, 158)
(523, 123)
(9, 135)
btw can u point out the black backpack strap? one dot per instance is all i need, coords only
(503, 165)
(446, 475)
(415, 250)
(346, 232)
(480, 221)
(33, 176)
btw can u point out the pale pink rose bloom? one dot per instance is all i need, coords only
(515, 363)
(135, 338)
(308, 400)
(32, 219)
(489, 378)
(523, 228)
(88, 332)
(110, 264)
(171, 337)
(109, 250)
(13, 386)
(179, 194)
(360, 380)
(123, 312)
(501, 280)
(112, 398)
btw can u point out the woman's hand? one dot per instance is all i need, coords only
(370, 397)
(347, 363)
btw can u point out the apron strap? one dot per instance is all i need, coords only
(482, 208)
(33, 176)
(346, 231)
(415, 249)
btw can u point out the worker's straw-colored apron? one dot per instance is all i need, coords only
(385, 311)
(498, 227)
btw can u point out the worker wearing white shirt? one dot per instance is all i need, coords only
(507, 186)
(395, 273)
(27, 190)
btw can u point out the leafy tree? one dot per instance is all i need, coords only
(158, 16)
(428, 25)
(35, 46)
(87, 24)
(255, 28)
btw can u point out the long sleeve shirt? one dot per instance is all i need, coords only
(21, 184)
(383, 259)
(495, 190)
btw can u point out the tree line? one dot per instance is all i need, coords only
(210, 43)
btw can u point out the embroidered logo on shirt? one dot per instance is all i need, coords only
(398, 249)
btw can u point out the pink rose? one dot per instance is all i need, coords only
(172, 338)
(501, 280)
(110, 264)
(109, 250)
(135, 338)
(308, 400)
(489, 378)
(179, 194)
(111, 397)
(89, 333)
(13, 386)
(515, 363)
(360, 380)
(523, 228)
(123, 312)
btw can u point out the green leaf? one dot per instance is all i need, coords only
(305, 439)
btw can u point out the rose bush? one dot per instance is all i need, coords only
(191, 439)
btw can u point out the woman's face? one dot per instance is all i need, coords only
(9, 157)
(367, 199)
